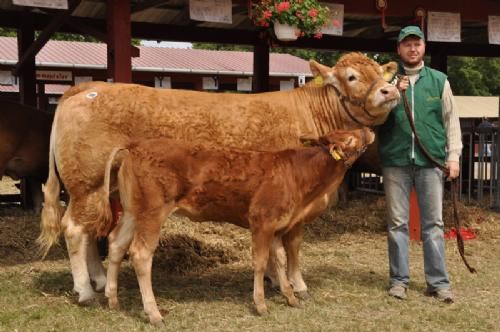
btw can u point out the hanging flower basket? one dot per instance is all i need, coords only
(307, 16)
(285, 32)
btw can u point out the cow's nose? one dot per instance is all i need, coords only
(384, 91)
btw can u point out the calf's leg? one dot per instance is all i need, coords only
(97, 272)
(142, 248)
(278, 260)
(292, 241)
(119, 242)
(261, 244)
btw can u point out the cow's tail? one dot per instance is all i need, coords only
(106, 221)
(52, 210)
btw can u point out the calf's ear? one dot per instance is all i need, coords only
(389, 70)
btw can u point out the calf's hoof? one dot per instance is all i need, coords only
(261, 309)
(295, 303)
(86, 298)
(303, 295)
(156, 320)
(113, 304)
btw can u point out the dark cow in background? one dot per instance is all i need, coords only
(24, 144)
(95, 117)
(271, 193)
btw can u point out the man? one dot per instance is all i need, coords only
(404, 166)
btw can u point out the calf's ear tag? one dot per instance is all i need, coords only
(335, 154)
(387, 76)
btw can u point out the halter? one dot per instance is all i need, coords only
(356, 102)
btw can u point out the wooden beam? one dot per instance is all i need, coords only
(260, 79)
(139, 7)
(118, 32)
(45, 35)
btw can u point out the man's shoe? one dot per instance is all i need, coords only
(398, 292)
(444, 295)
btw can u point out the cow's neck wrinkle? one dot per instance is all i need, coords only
(324, 112)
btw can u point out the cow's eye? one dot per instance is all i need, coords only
(351, 78)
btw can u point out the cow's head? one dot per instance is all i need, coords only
(346, 145)
(362, 85)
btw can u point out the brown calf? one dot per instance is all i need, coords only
(271, 193)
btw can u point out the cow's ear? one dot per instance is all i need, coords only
(389, 70)
(322, 74)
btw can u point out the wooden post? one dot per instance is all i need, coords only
(414, 217)
(27, 90)
(119, 39)
(260, 79)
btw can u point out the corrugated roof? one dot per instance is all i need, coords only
(92, 55)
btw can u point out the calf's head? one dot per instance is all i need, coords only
(346, 145)
(362, 85)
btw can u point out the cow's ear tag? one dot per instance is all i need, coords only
(387, 76)
(335, 154)
(318, 80)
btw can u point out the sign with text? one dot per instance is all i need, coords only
(494, 29)
(54, 4)
(443, 27)
(336, 16)
(219, 11)
(287, 85)
(81, 79)
(54, 75)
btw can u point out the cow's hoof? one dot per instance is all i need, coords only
(86, 298)
(303, 295)
(261, 309)
(100, 284)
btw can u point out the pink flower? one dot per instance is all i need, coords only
(267, 14)
(313, 13)
(336, 23)
(283, 6)
(318, 35)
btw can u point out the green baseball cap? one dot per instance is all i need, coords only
(410, 30)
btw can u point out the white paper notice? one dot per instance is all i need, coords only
(219, 11)
(54, 4)
(443, 27)
(494, 29)
(336, 26)
(81, 79)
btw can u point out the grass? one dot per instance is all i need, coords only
(202, 278)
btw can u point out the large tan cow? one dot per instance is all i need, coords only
(24, 144)
(271, 193)
(94, 118)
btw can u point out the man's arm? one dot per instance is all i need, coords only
(451, 123)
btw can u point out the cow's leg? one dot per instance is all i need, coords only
(97, 272)
(144, 243)
(292, 241)
(278, 260)
(261, 245)
(76, 242)
(119, 242)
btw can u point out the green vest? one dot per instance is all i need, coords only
(395, 135)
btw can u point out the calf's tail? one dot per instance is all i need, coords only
(106, 221)
(52, 210)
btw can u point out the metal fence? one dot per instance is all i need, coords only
(479, 166)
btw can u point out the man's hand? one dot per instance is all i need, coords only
(454, 168)
(403, 83)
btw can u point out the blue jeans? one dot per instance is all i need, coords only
(429, 185)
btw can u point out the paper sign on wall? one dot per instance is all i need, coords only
(81, 79)
(443, 27)
(54, 75)
(494, 29)
(219, 11)
(54, 4)
(336, 17)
